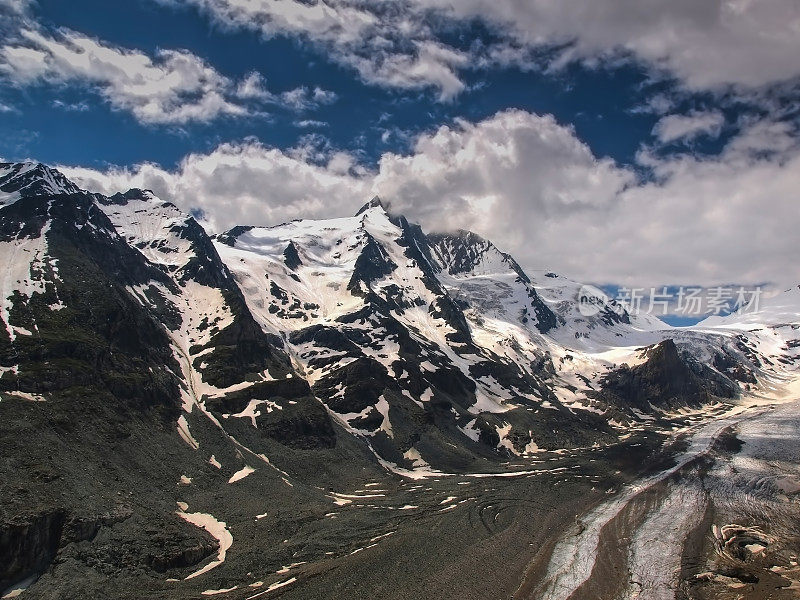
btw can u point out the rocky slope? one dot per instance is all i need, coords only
(160, 389)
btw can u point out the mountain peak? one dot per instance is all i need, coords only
(29, 178)
(470, 237)
(374, 203)
(133, 194)
(139, 194)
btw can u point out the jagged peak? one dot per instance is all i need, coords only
(229, 237)
(26, 166)
(30, 178)
(461, 250)
(663, 349)
(139, 194)
(376, 202)
(462, 235)
(123, 198)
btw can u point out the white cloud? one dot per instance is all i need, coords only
(310, 123)
(689, 126)
(431, 65)
(71, 106)
(513, 166)
(533, 187)
(303, 98)
(658, 104)
(716, 220)
(707, 45)
(243, 184)
(172, 87)
(388, 44)
(253, 87)
(321, 96)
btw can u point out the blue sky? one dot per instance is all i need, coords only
(600, 103)
(620, 142)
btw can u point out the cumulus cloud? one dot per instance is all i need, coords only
(389, 44)
(171, 87)
(716, 220)
(689, 126)
(526, 167)
(174, 87)
(245, 183)
(533, 187)
(708, 45)
(528, 183)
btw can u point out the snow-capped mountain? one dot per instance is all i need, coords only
(769, 338)
(314, 353)
(388, 349)
(31, 179)
(390, 326)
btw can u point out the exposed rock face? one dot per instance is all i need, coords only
(291, 257)
(229, 237)
(372, 264)
(663, 381)
(100, 334)
(293, 416)
(466, 254)
(33, 179)
(28, 545)
(726, 364)
(374, 203)
(93, 383)
(179, 554)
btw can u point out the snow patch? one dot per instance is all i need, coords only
(186, 435)
(273, 587)
(217, 529)
(241, 474)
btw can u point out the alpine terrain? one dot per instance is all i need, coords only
(357, 408)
